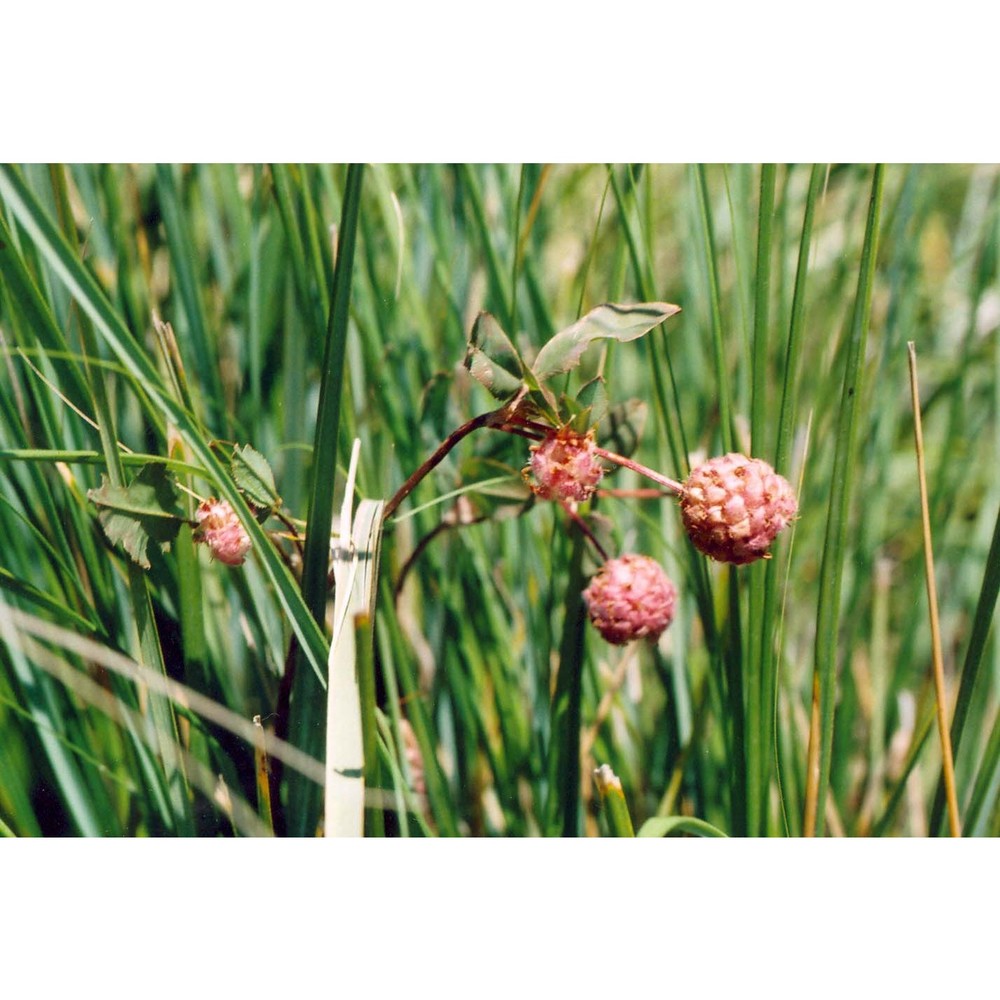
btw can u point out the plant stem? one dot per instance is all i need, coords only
(947, 761)
(584, 527)
(670, 484)
(495, 418)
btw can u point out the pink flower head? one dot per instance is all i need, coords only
(631, 598)
(565, 466)
(733, 508)
(221, 530)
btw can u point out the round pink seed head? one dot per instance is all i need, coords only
(221, 530)
(565, 466)
(733, 508)
(630, 598)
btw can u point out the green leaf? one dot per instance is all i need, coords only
(252, 474)
(146, 509)
(594, 398)
(668, 826)
(621, 430)
(493, 360)
(607, 322)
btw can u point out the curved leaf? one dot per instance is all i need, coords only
(607, 322)
(668, 826)
(492, 359)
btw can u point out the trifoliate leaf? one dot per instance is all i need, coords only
(253, 475)
(607, 322)
(146, 509)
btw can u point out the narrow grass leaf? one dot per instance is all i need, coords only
(835, 543)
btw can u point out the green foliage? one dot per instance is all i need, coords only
(487, 701)
(147, 509)
(253, 475)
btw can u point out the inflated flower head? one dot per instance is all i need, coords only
(733, 508)
(220, 529)
(630, 598)
(565, 466)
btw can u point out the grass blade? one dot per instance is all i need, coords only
(85, 290)
(613, 801)
(834, 548)
(971, 667)
(563, 803)
(758, 759)
(306, 721)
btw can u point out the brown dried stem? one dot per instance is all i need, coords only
(947, 762)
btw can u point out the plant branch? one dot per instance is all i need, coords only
(498, 419)
(671, 484)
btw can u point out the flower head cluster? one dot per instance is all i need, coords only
(221, 530)
(733, 508)
(630, 598)
(565, 466)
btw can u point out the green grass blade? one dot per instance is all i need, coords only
(134, 359)
(715, 301)
(985, 789)
(671, 826)
(758, 758)
(613, 802)
(971, 668)
(307, 710)
(183, 261)
(844, 465)
(563, 803)
(500, 300)
(161, 711)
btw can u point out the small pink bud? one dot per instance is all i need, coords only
(565, 466)
(631, 598)
(733, 508)
(221, 530)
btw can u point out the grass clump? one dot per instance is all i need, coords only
(533, 359)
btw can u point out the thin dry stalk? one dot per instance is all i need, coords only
(812, 765)
(947, 761)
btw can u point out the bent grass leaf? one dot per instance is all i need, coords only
(252, 474)
(147, 508)
(607, 322)
(493, 486)
(493, 360)
(671, 826)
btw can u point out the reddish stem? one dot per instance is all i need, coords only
(503, 418)
(671, 484)
(521, 431)
(640, 494)
(585, 528)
